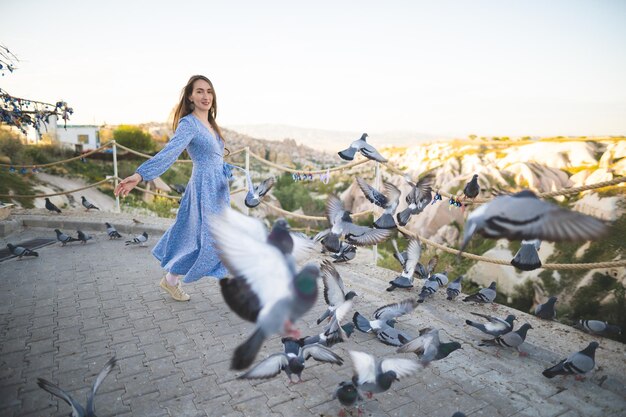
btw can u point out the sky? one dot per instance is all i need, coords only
(503, 68)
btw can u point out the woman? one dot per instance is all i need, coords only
(187, 248)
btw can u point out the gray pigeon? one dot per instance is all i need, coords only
(87, 204)
(51, 207)
(21, 251)
(256, 193)
(267, 288)
(484, 295)
(335, 294)
(383, 323)
(511, 339)
(417, 199)
(441, 278)
(428, 289)
(597, 327)
(388, 200)
(524, 216)
(362, 146)
(527, 257)
(546, 311)
(77, 409)
(179, 188)
(495, 326)
(454, 288)
(472, 189)
(329, 339)
(348, 395)
(341, 225)
(373, 375)
(112, 232)
(63, 238)
(428, 347)
(424, 272)
(346, 253)
(578, 363)
(413, 253)
(458, 414)
(83, 237)
(291, 360)
(138, 240)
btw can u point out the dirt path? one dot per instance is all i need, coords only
(53, 183)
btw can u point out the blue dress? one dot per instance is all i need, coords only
(187, 247)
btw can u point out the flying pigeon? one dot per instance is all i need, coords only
(472, 189)
(413, 253)
(365, 148)
(524, 216)
(87, 204)
(417, 199)
(384, 320)
(527, 258)
(83, 237)
(291, 360)
(329, 339)
(424, 272)
(454, 288)
(77, 409)
(138, 240)
(348, 395)
(63, 238)
(597, 327)
(51, 207)
(335, 293)
(21, 251)
(267, 288)
(373, 375)
(510, 339)
(578, 363)
(256, 193)
(346, 253)
(428, 347)
(112, 232)
(495, 326)
(388, 200)
(546, 311)
(484, 295)
(341, 225)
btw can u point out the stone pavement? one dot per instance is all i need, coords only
(64, 314)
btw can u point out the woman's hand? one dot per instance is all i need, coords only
(127, 184)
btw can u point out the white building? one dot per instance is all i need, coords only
(77, 137)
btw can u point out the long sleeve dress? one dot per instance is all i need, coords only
(187, 247)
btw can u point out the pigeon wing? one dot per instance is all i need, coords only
(391, 311)
(333, 285)
(321, 354)
(365, 236)
(267, 368)
(77, 409)
(402, 367)
(364, 366)
(91, 410)
(372, 194)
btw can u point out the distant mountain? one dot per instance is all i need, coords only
(332, 140)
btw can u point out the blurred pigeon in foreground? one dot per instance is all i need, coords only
(384, 320)
(83, 237)
(413, 253)
(87, 204)
(348, 395)
(601, 328)
(484, 295)
(578, 363)
(77, 409)
(112, 232)
(472, 189)
(362, 146)
(546, 311)
(511, 339)
(454, 288)
(51, 207)
(291, 361)
(527, 258)
(373, 375)
(495, 326)
(21, 251)
(138, 240)
(524, 216)
(267, 288)
(428, 347)
(346, 253)
(417, 199)
(63, 238)
(335, 293)
(388, 200)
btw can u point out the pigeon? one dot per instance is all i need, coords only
(21, 251)
(373, 375)
(388, 200)
(267, 287)
(348, 395)
(346, 253)
(441, 278)
(417, 199)
(256, 193)
(578, 363)
(458, 414)
(546, 311)
(527, 258)
(454, 288)
(383, 322)
(63, 238)
(51, 207)
(495, 326)
(472, 189)
(77, 409)
(138, 240)
(362, 146)
(83, 237)
(484, 295)
(341, 225)
(510, 339)
(400, 256)
(112, 232)
(87, 204)
(428, 347)
(179, 188)
(424, 272)
(413, 253)
(291, 360)
(597, 327)
(524, 216)
(329, 339)
(335, 293)
(428, 289)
